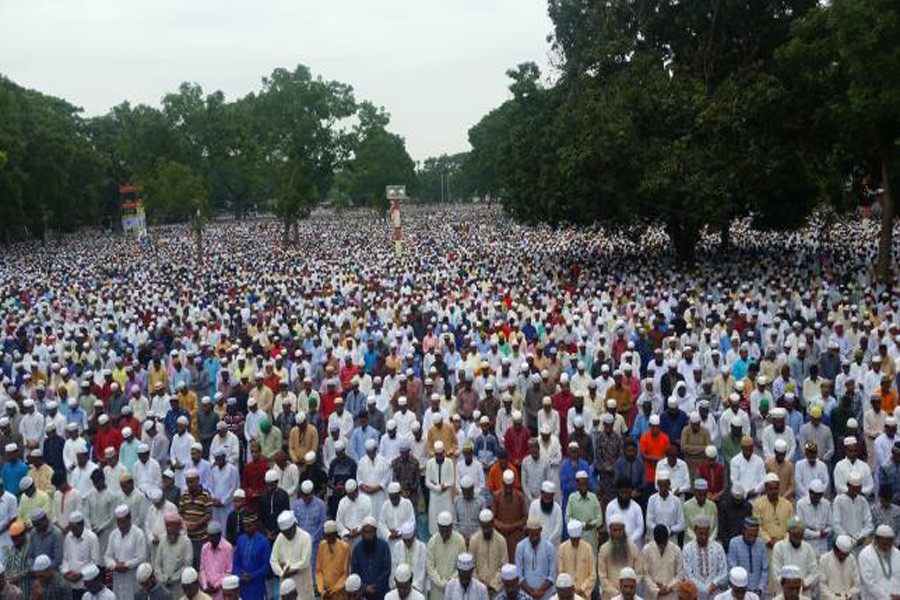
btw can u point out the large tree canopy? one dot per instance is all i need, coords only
(278, 148)
(686, 114)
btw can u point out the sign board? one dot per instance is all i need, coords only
(396, 192)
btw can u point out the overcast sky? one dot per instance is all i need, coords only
(436, 65)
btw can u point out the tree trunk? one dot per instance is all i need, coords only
(725, 237)
(286, 232)
(883, 267)
(198, 233)
(684, 239)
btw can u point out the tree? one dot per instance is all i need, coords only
(176, 193)
(843, 62)
(302, 142)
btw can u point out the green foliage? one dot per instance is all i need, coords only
(176, 193)
(452, 172)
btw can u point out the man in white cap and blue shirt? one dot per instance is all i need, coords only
(464, 586)
(291, 556)
(403, 585)
(839, 572)
(536, 561)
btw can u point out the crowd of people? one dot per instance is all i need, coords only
(501, 413)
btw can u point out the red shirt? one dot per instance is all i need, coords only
(516, 443)
(104, 439)
(253, 480)
(327, 404)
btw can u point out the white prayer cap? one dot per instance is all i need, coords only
(188, 576)
(627, 573)
(465, 562)
(816, 486)
(578, 475)
(122, 511)
(182, 420)
(662, 475)
(466, 482)
(439, 447)
(791, 572)
(509, 572)
(849, 441)
(564, 581)
(654, 419)
(616, 519)
(548, 487)
(350, 485)
(271, 476)
(402, 573)
(194, 473)
(230, 582)
(110, 451)
(889, 421)
(353, 583)
(575, 528)
(285, 520)
(436, 418)
(214, 528)
(780, 446)
(485, 516)
(844, 543)
(89, 572)
(445, 519)
(339, 445)
(371, 444)
(126, 432)
(738, 491)
(306, 487)
(854, 479)
(408, 530)
(779, 413)
(287, 587)
(391, 424)
(142, 448)
(25, 483)
(711, 451)
(309, 457)
(608, 418)
(329, 526)
(695, 417)
(145, 570)
(41, 563)
(368, 521)
(239, 493)
(884, 531)
(771, 478)
(103, 419)
(738, 577)
(508, 476)
(517, 415)
(76, 517)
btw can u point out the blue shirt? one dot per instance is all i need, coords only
(251, 556)
(311, 519)
(12, 474)
(357, 448)
(536, 565)
(373, 565)
(753, 558)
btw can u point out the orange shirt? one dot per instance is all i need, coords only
(653, 449)
(495, 477)
(888, 401)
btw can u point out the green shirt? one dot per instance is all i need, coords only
(692, 510)
(587, 510)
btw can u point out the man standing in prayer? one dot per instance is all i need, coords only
(126, 549)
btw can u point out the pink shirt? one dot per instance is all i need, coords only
(215, 564)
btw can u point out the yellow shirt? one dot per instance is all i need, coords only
(579, 563)
(773, 518)
(332, 566)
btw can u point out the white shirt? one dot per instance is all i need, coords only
(392, 517)
(804, 473)
(230, 443)
(62, 510)
(875, 583)
(816, 519)
(633, 517)
(749, 473)
(474, 470)
(350, 513)
(852, 516)
(9, 508)
(769, 436)
(374, 472)
(668, 511)
(842, 472)
(79, 552)
(679, 475)
(551, 525)
(147, 475)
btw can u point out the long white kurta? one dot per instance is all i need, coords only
(392, 517)
(436, 476)
(415, 556)
(224, 482)
(350, 514)
(131, 549)
(295, 553)
(878, 580)
(374, 472)
(180, 453)
(838, 580)
(551, 525)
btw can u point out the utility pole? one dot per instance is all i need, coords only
(442, 188)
